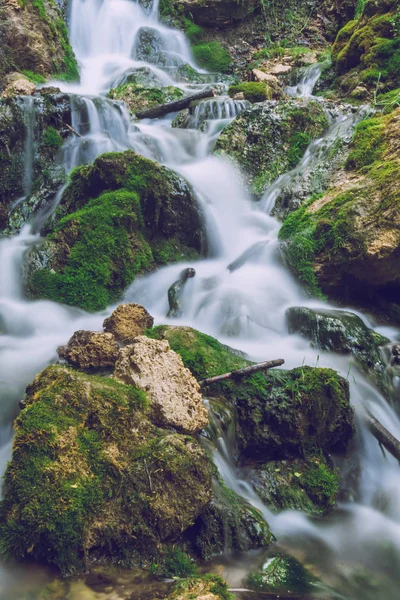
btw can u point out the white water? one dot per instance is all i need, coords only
(244, 307)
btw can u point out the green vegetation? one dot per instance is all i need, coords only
(209, 55)
(138, 97)
(114, 209)
(51, 138)
(34, 77)
(371, 46)
(368, 143)
(84, 452)
(252, 91)
(281, 48)
(281, 574)
(202, 354)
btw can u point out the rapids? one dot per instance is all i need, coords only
(243, 307)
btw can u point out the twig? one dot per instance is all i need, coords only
(270, 364)
(384, 437)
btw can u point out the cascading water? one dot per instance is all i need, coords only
(240, 295)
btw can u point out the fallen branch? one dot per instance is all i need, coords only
(175, 106)
(72, 129)
(383, 436)
(263, 366)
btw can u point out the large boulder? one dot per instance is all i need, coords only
(34, 38)
(92, 477)
(174, 393)
(287, 414)
(90, 350)
(270, 138)
(346, 243)
(119, 217)
(127, 322)
(342, 332)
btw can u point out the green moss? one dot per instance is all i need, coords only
(322, 483)
(298, 144)
(252, 91)
(201, 353)
(101, 263)
(212, 56)
(281, 574)
(368, 143)
(51, 138)
(138, 97)
(103, 243)
(83, 455)
(34, 77)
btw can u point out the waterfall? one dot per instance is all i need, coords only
(242, 306)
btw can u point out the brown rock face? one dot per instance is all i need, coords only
(90, 350)
(173, 391)
(127, 322)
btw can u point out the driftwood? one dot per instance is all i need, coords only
(383, 436)
(72, 129)
(263, 366)
(175, 106)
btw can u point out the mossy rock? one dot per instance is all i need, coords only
(281, 414)
(310, 486)
(253, 91)
(209, 587)
(367, 49)
(271, 138)
(346, 243)
(138, 98)
(281, 574)
(342, 332)
(35, 40)
(285, 414)
(91, 476)
(110, 218)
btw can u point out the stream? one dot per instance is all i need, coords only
(244, 308)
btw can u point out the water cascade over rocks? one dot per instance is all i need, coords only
(240, 294)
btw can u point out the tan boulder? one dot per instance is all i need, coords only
(173, 392)
(90, 350)
(18, 85)
(280, 69)
(259, 75)
(199, 588)
(127, 322)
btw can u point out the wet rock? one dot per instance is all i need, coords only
(138, 98)
(396, 355)
(218, 13)
(287, 414)
(127, 322)
(174, 394)
(281, 574)
(175, 293)
(113, 485)
(32, 131)
(270, 138)
(307, 485)
(347, 242)
(90, 350)
(142, 77)
(35, 39)
(147, 213)
(337, 331)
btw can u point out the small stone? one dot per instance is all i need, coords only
(127, 322)
(267, 77)
(280, 69)
(174, 393)
(90, 350)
